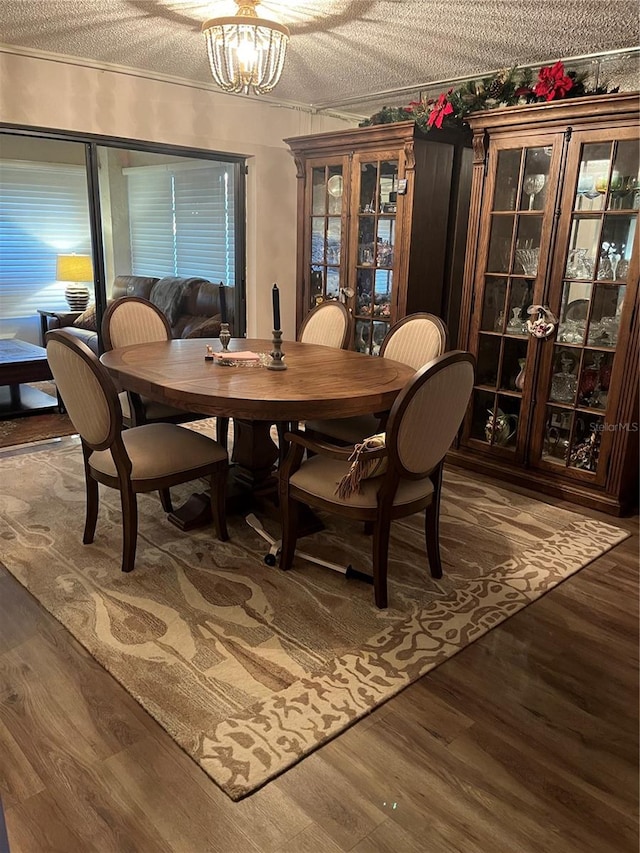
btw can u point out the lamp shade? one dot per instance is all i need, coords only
(245, 51)
(74, 268)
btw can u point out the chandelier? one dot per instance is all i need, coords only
(245, 51)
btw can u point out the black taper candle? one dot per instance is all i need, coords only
(275, 293)
(223, 303)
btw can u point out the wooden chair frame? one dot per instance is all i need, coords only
(136, 404)
(380, 516)
(128, 488)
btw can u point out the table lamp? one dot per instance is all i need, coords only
(75, 269)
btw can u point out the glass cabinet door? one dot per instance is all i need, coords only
(325, 229)
(511, 281)
(375, 195)
(602, 195)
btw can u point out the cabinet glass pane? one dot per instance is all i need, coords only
(385, 242)
(334, 240)
(483, 404)
(335, 188)
(366, 257)
(585, 443)
(527, 250)
(387, 193)
(368, 187)
(534, 182)
(316, 279)
(317, 240)
(605, 315)
(520, 298)
(574, 312)
(488, 360)
(513, 370)
(564, 381)
(380, 329)
(318, 190)
(363, 336)
(583, 247)
(626, 166)
(333, 283)
(557, 435)
(507, 175)
(382, 294)
(593, 176)
(616, 243)
(595, 378)
(364, 292)
(493, 306)
(500, 243)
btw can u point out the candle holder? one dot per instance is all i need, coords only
(276, 353)
(225, 336)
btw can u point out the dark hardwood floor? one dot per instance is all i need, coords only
(524, 742)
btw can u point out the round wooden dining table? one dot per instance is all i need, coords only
(319, 382)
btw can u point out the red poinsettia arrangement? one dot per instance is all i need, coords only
(552, 82)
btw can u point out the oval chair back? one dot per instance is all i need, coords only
(133, 320)
(427, 414)
(328, 324)
(88, 393)
(415, 340)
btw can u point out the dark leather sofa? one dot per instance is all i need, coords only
(192, 306)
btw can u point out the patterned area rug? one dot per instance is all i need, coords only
(14, 431)
(249, 668)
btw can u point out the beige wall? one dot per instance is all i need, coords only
(54, 94)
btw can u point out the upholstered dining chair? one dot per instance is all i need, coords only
(134, 320)
(422, 425)
(414, 340)
(328, 324)
(151, 457)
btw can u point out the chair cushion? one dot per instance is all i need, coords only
(350, 430)
(320, 476)
(160, 450)
(154, 411)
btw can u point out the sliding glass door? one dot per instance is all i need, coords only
(74, 214)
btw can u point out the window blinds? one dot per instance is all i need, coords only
(182, 221)
(43, 213)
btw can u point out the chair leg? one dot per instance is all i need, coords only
(165, 500)
(432, 525)
(432, 537)
(129, 527)
(222, 432)
(218, 492)
(380, 560)
(283, 446)
(92, 509)
(289, 510)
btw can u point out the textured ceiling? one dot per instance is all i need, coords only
(341, 54)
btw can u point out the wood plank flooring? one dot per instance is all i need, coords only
(524, 742)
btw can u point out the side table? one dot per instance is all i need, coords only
(45, 313)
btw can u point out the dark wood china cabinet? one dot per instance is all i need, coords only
(554, 223)
(382, 216)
